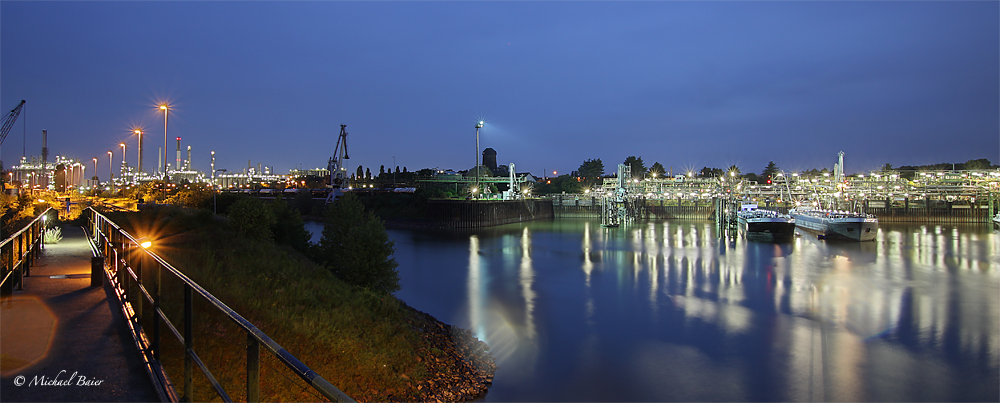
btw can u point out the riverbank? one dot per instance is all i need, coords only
(371, 346)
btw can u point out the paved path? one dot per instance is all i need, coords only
(61, 328)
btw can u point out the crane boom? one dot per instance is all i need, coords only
(8, 121)
(338, 173)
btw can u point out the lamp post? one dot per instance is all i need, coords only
(478, 126)
(166, 111)
(215, 204)
(138, 132)
(111, 174)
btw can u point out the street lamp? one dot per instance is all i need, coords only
(478, 126)
(138, 132)
(166, 111)
(111, 174)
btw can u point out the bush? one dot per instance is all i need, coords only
(53, 235)
(356, 248)
(252, 218)
(288, 228)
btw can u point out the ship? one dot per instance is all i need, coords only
(834, 224)
(765, 225)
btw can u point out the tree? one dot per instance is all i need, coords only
(356, 248)
(591, 171)
(288, 228)
(360, 173)
(981, 163)
(769, 171)
(638, 167)
(657, 169)
(887, 167)
(381, 170)
(368, 174)
(252, 218)
(733, 170)
(559, 184)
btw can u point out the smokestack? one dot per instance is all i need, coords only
(178, 166)
(45, 156)
(159, 159)
(259, 172)
(187, 166)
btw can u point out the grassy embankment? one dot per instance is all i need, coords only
(369, 345)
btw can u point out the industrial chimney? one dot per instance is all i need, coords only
(187, 166)
(178, 166)
(45, 158)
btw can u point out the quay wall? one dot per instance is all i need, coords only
(923, 211)
(485, 213)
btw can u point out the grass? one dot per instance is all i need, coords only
(363, 343)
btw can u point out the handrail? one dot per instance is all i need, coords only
(120, 247)
(24, 245)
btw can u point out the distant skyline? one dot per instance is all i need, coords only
(685, 84)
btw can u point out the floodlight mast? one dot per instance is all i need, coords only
(478, 126)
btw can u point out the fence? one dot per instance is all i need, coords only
(137, 274)
(19, 251)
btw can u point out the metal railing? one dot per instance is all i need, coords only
(18, 253)
(124, 259)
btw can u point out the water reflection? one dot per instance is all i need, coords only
(667, 310)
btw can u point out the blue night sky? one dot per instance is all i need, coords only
(686, 84)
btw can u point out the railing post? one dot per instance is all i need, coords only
(20, 265)
(96, 271)
(188, 344)
(253, 368)
(156, 307)
(138, 278)
(8, 288)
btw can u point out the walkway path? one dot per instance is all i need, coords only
(60, 328)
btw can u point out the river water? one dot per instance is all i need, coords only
(669, 311)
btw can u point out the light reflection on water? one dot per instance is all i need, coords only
(667, 311)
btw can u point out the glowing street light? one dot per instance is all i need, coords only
(478, 126)
(138, 132)
(111, 174)
(166, 111)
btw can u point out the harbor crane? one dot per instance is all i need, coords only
(338, 172)
(8, 121)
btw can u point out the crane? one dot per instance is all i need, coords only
(8, 121)
(338, 172)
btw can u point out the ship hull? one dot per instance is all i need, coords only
(767, 231)
(848, 229)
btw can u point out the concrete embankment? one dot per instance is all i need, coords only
(480, 213)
